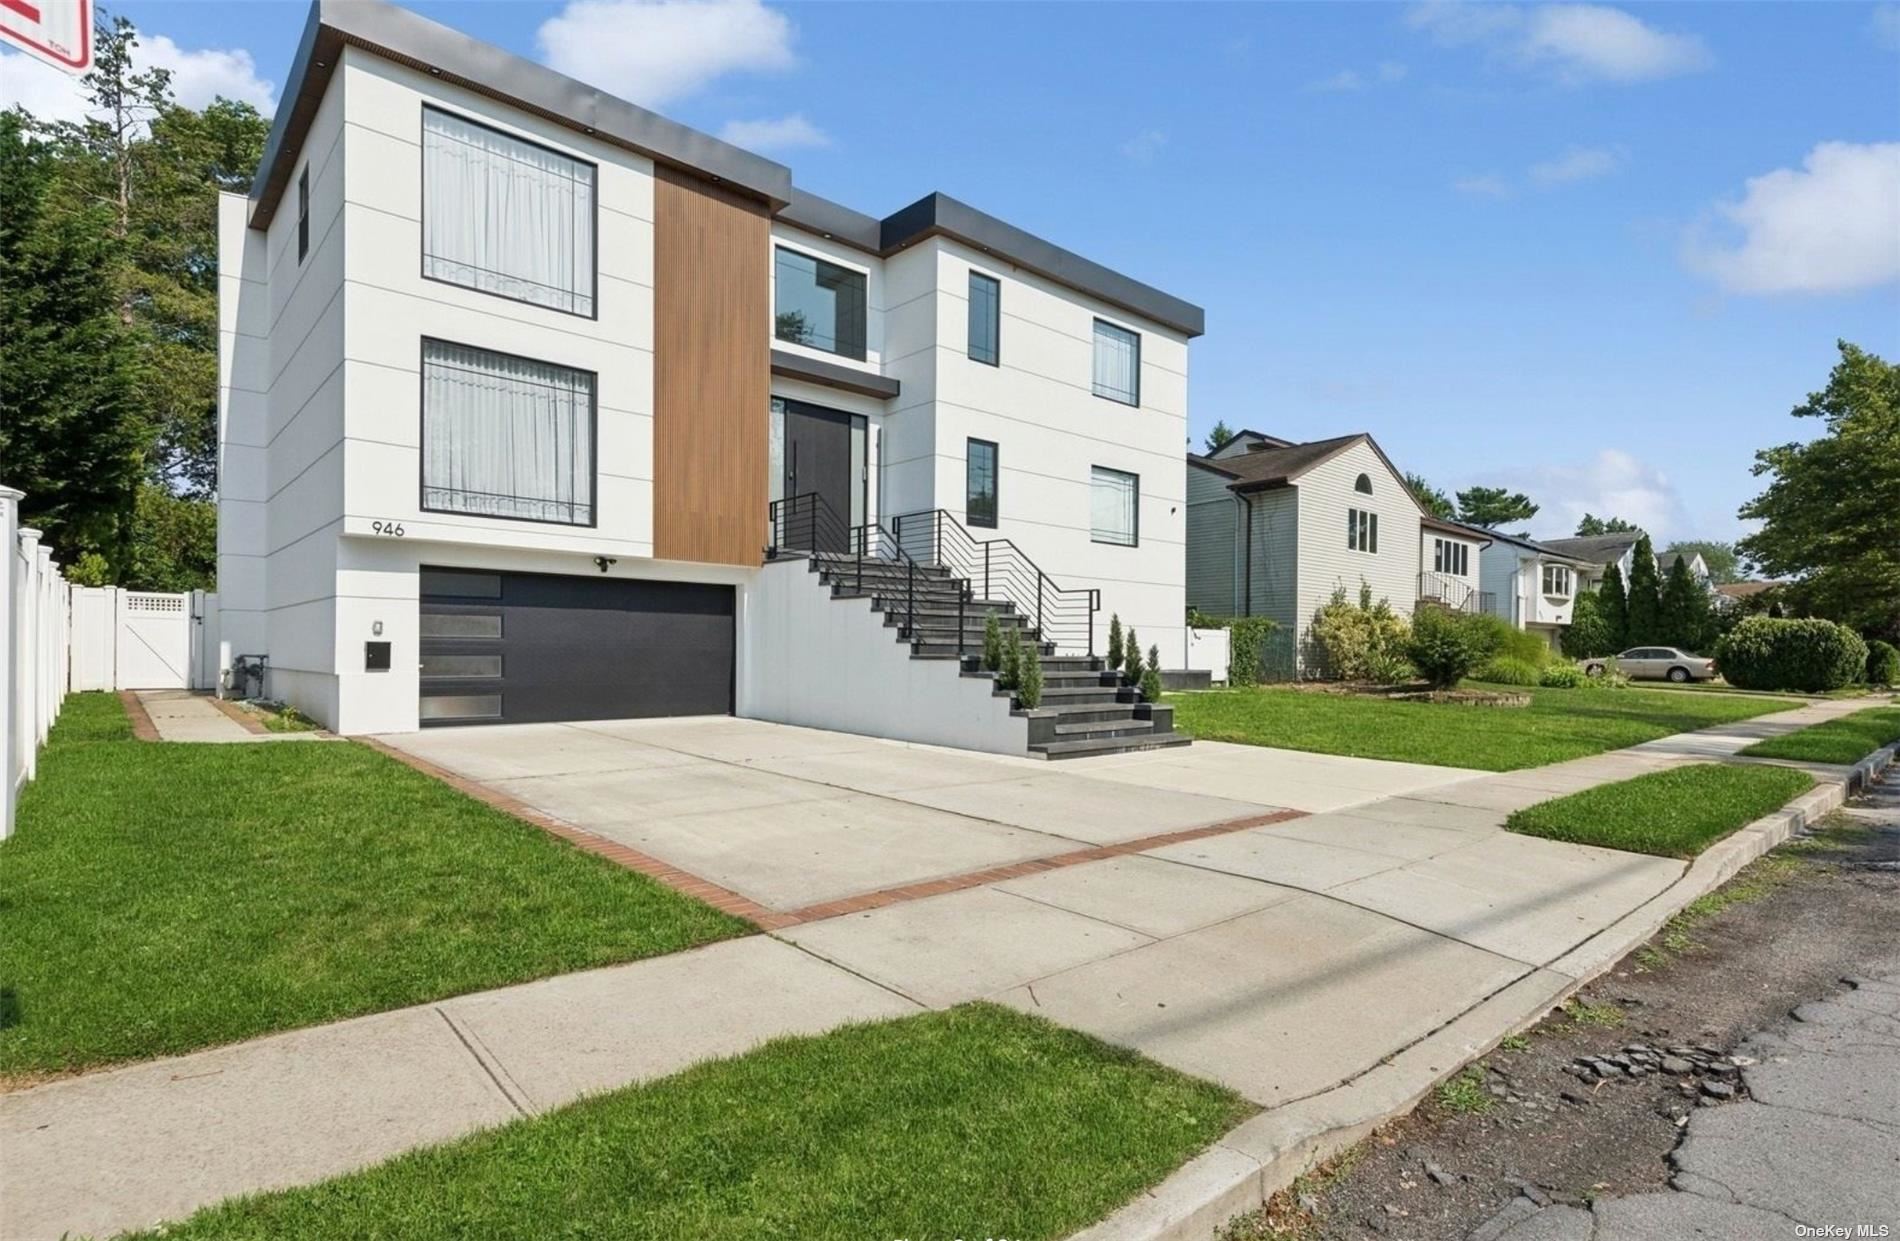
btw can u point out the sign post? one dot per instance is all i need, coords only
(58, 32)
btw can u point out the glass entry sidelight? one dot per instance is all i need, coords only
(818, 465)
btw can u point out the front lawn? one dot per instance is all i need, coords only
(1559, 724)
(1845, 740)
(1674, 813)
(976, 1122)
(158, 898)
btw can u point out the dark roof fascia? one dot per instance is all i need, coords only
(833, 221)
(407, 38)
(788, 365)
(1457, 528)
(1210, 465)
(1530, 545)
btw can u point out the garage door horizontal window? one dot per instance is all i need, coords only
(457, 625)
(504, 436)
(460, 707)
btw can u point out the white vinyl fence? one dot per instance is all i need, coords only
(33, 619)
(130, 639)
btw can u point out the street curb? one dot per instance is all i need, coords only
(1264, 1154)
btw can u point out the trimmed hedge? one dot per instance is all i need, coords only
(1883, 663)
(1808, 655)
(1246, 641)
(1445, 646)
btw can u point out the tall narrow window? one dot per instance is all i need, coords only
(303, 213)
(1557, 580)
(1114, 507)
(506, 216)
(818, 304)
(979, 483)
(986, 318)
(1450, 557)
(1117, 363)
(1362, 531)
(506, 437)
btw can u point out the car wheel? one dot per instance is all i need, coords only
(1679, 675)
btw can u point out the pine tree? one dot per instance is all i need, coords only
(1151, 676)
(1010, 666)
(1131, 657)
(1645, 596)
(1029, 675)
(1614, 609)
(1685, 609)
(992, 643)
(1114, 641)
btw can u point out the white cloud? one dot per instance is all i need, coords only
(1886, 24)
(1577, 164)
(1613, 483)
(782, 133)
(1485, 185)
(1387, 71)
(1144, 146)
(1581, 42)
(198, 77)
(656, 51)
(1830, 226)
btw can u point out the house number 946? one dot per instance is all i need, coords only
(393, 528)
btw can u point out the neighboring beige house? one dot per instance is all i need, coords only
(1275, 527)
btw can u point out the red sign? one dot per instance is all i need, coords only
(59, 32)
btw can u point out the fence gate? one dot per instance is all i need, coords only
(155, 642)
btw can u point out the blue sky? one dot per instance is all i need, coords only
(1592, 252)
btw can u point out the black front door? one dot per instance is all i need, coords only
(817, 463)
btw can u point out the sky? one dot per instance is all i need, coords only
(1591, 252)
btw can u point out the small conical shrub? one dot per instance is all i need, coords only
(1008, 667)
(1131, 657)
(1114, 641)
(992, 643)
(1028, 676)
(1151, 676)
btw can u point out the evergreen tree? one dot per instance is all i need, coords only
(1613, 611)
(1588, 634)
(1592, 524)
(1219, 437)
(1492, 507)
(992, 643)
(1115, 645)
(1131, 657)
(1686, 620)
(1430, 498)
(1151, 676)
(1645, 596)
(1029, 673)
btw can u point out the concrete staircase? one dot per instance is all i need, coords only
(1085, 710)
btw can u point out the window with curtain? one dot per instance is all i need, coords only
(818, 304)
(1114, 507)
(986, 318)
(1117, 363)
(1362, 531)
(979, 483)
(506, 216)
(506, 437)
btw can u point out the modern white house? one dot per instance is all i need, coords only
(525, 391)
(1276, 527)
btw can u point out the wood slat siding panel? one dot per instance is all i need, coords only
(711, 372)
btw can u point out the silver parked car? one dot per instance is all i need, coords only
(1654, 663)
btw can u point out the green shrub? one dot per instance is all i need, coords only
(1508, 670)
(1131, 657)
(1523, 645)
(1151, 676)
(1445, 645)
(1009, 665)
(1114, 641)
(1588, 634)
(992, 643)
(1883, 663)
(1359, 640)
(1609, 678)
(1028, 674)
(1809, 655)
(1563, 676)
(1246, 644)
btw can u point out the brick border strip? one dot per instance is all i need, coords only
(142, 727)
(727, 901)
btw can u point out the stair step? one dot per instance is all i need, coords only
(1129, 727)
(1092, 746)
(1087, 693)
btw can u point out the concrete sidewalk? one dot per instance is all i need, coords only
(185, 715)
(1328, 967)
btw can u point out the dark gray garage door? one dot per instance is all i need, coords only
(522, 647)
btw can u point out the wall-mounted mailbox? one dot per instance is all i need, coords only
(376, 657)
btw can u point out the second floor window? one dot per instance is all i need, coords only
(818, 304)
(506, 216)
(1450, 557)
(1557, 580)
(1362, 531)
(1114, 507)
(986, 318)
(979, 484)
(1117, 363)
(504, 436)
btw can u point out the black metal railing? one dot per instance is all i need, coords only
(998, 571)
(806, 525)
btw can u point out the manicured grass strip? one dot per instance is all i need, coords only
(1845, 740)
(976, 1122)
(1673, 813)
(1559, 724)
(90, 717)
(158, 897)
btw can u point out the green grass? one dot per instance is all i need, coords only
(1845, 740)
(1465, 1093)
(1559, 724)
(158, 898)
(1674, 813)
(976, 1122)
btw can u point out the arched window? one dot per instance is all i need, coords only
(1364, 484)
